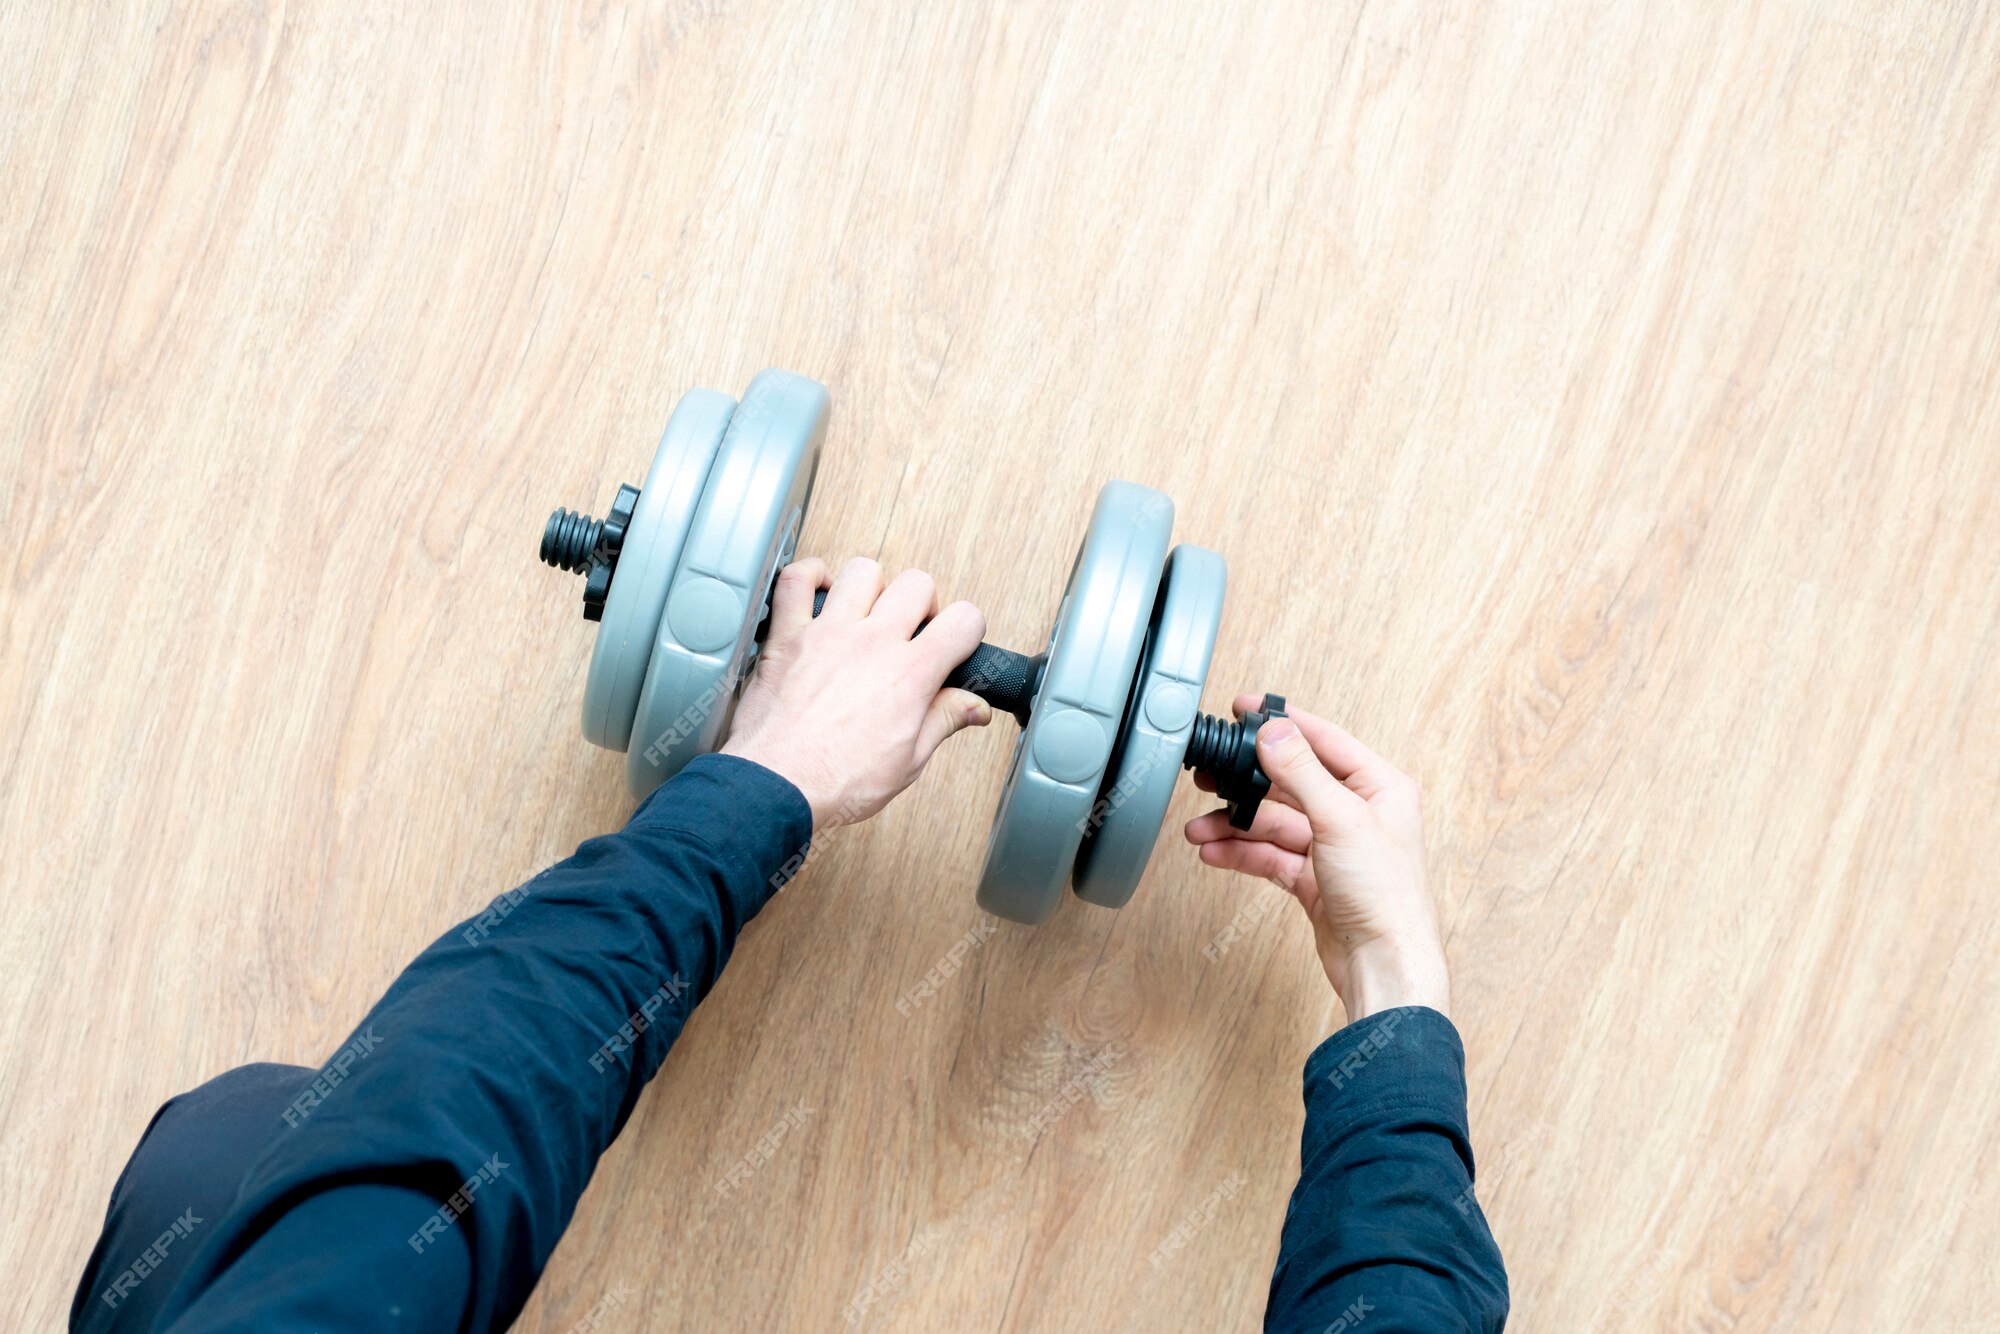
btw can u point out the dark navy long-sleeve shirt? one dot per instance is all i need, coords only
(1384, 1233)
(422, 1180)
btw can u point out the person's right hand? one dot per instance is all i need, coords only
(1342, 831)
(848, 705)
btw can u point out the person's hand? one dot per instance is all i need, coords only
(849, 705)
(1342, 831)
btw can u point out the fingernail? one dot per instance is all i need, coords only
(1278, 730)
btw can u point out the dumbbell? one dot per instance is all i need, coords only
(679, 574)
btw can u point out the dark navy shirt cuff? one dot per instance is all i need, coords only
(755, 819)
(1408, 1056)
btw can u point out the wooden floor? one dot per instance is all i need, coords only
(1599, 408)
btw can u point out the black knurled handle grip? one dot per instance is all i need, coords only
(1000, 676)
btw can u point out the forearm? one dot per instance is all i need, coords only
(293, 1281)
(1383, 1230)
(506, 1058)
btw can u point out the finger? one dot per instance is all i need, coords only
(951, 712)
(792, 600)
(1276, 797)
(854, 590)
(1364, 771)
(1346, 758)
(1274, 824)
(949, 640)
(1284, 754)
(1207, 829)
(1286, 870)
(910, 597)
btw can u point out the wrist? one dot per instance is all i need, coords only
(789, 770)
(1384, 974)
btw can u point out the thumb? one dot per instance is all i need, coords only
(952, 711)
(1288, 758)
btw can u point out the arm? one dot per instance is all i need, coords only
(428, 1188)
(1383, 1231)
(1383, 1225)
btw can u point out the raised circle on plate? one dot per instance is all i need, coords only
(1071, 746)
(706, 614)
(1170, 707)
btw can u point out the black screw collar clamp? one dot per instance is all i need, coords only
(583, 545)
(1227, 751)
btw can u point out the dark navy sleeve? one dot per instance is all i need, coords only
(426, 1185)
(1384, 1233)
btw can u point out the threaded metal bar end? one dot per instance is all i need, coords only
(1212, 746)
(569, 539)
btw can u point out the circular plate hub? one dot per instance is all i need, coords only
(1059, 761)
(646, 563)
(1166, 692)
(745, 527)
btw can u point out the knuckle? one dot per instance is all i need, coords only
(1294, 758)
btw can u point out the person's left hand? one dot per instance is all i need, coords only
(850, 705)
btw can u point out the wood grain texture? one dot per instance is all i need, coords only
(1597, 405)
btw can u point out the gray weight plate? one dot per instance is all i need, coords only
(1166, 694)
(646, 564)
(745, 527)
(1060, 758)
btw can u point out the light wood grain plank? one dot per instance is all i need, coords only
(1597, 407)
